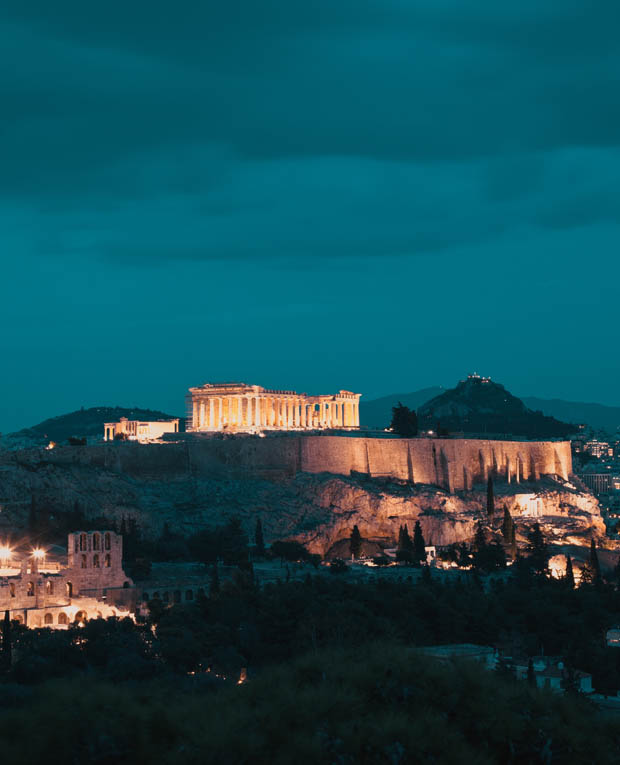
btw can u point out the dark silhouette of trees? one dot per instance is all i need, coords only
(538, 551)
(419, 553)
(404, 421)
(355, 543)
(594, 563)
(214, 584)
(6, 641)
(569, 577)
(259, 540)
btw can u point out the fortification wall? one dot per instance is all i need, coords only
(454, 464)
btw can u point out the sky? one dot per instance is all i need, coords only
(371, 195)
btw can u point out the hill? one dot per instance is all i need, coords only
(598, 416)
(378, 412)
(84, 423)
(478, 405)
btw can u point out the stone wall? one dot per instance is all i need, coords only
(453, 464)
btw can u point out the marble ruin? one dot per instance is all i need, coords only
(237, 407)
(136, 430)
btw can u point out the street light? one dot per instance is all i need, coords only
(38, 554)
(5, 555)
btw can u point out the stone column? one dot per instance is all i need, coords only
(356, 407)
(257, 412)
(194, 413)
(303, 413)
(201, 414)
(211, 414)
(219, 412)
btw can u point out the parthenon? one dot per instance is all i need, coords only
(237, 407)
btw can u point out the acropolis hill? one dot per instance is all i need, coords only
(303, 465)
(309, 487)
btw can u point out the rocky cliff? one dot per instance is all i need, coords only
(317, 509)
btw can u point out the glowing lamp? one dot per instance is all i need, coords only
(5, 553)
(38, 553)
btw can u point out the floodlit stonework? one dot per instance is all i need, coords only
(136, 430)
(93, 585)
(237, 407)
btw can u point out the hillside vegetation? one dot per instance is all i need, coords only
(478, 405)
(86, 423)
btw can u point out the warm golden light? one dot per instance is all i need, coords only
(5, 553)
(38, 553)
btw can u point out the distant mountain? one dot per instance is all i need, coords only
(85, 423)
(479, 405)
(378, 412)
(597, 416)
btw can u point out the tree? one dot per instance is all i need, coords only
(538, 551)
(569, 577)
(490, 498)
(259, 540)
(355, 543)
(405, 545)
(507, 526)
(404, 421)
(596, 569)
(480, 539)
(289, 550)
(419, 553)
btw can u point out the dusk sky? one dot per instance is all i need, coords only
(376, 196)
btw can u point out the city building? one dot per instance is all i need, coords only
(136, 430)
(598, 449)
(237, 407)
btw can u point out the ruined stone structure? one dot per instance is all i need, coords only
(40, 595)
(136, 430)
(237, 407)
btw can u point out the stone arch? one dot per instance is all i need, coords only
(80, 617)
(96, 541)
(48, 619)
(96, 562)
(107, 540)
(84, 562)
(19, 618)
(69, 589)
(63, 618)
(107, 561)
(49, 587)
(30, 589)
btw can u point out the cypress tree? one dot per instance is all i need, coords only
(419, 552)
(259, 539)
(355, 543)
(539, 552)
(513, 542)
(6, 640)
(507, 526)
(490, 498)
(569, 577)
(480, 540)
(596, 569)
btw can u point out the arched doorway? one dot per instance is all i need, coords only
(80, 617)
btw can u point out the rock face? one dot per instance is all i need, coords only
(318, 509)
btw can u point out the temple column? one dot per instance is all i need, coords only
(194, 413)
(356, 407)
(303, 414)
(201, 414)
(257, 412)
(211, 415)
(219, 413)
(345, 414)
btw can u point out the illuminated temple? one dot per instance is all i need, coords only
(237, 407)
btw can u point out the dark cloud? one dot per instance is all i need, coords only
(205, 170)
